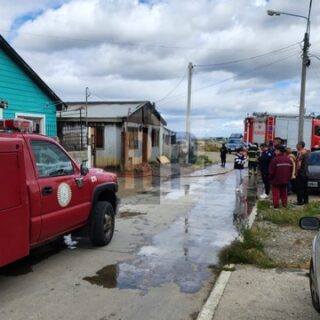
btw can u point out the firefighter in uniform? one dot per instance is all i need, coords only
(253, 155)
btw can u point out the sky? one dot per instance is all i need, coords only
(244, 60)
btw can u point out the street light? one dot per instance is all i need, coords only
(305, 64)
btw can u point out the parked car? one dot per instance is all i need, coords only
(313, 223)
(234, 144)
(314, 170)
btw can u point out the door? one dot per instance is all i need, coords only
(145, 145)
(65, 194)
(14, 214)
(93, 146)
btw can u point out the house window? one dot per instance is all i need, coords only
(99, 139)
(155, 137)
(133, 138)
(38, 121)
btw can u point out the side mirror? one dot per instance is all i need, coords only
(84, 169)
(309, 223)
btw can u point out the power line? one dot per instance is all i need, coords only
(233, 77)
(245, 72)
(281, 50)
(246, 59)
(174, 89)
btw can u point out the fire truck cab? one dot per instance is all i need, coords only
(45, 194)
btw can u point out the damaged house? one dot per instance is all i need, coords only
(121, 134)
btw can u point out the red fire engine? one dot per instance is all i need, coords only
(264, 127)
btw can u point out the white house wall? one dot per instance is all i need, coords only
(110, 156)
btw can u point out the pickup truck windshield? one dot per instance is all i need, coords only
(50, 159)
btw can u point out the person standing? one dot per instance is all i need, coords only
(264, 162)
(239, 162)
(280, 171)
(223, 155)
(253, 159)
(302, 174)
(291, 156)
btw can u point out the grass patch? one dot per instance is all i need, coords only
(201, 160)
(287, 216)
(263, 205)
(248, 251)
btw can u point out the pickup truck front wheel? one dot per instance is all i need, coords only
(101, 224)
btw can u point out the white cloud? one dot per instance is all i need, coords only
(132, 50)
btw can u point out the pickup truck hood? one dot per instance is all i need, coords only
(103, 176)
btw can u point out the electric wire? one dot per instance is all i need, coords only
(234, 77)
(286, 49)
(174, 89)
(248, 58)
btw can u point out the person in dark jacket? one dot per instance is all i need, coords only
(280, 171)
(253, 154)
(302, 174)
(239, 162)
(264, 161)
(223, 155)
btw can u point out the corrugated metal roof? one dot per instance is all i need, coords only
(102, 110)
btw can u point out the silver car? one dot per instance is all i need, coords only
(313, 223)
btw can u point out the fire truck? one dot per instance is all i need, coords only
(45, 194)
(264, 127)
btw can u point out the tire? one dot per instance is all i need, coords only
(101, 224)
(313, 290)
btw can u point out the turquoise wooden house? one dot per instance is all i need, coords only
(23, 94)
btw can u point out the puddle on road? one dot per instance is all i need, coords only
(185, 252)
(107, 277)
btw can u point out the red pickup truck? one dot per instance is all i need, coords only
(45, 194)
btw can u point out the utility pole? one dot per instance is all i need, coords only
(87, 96)
(190, 69)
(305, 64)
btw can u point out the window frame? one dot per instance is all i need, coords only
(32, 117)
(155, 137)
(31, 141)
(102, 128)
(133, 133)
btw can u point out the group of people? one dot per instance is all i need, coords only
(282, 172)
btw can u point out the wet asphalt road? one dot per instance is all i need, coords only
(158, 266)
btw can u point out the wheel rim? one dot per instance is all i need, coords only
(313, 290)
(107, 224)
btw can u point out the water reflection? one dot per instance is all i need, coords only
(183, 252)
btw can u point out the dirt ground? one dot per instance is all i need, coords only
(287, 244)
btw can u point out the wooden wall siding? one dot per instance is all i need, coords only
(144, 116)
(23, 95)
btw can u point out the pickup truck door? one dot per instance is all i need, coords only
(14, 213)
(65, 194)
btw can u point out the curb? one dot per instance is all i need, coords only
(208, 310)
